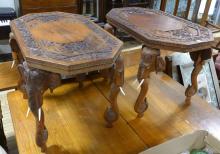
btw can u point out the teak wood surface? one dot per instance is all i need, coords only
(160, 30)
(77, 126)
(9, 76)
(64, 43)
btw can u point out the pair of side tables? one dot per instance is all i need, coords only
(48, 45)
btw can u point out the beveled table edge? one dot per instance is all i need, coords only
(163, 45)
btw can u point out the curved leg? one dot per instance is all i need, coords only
(16, 52)
(80, 78)
(112, 113)
(18, 59)
(110, 29)
(22, 81)
(199, 58)
(107, 74)
(36, 83)
(150, 61)
(168, 69)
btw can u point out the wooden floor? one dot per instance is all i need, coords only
(74, 117)
(8, 81)
(9, 76)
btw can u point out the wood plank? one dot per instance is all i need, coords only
(196, 10)
(167, 116)
(163, 5)
(176, 7)
(47, 3)
(9, 77)
(74, 118)
(69, 9)
(187, 9)
(29, 6)
(206, 12)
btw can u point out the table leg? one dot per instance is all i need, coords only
(169, 65)
(36, 83)
(150, 61)
(199, 58)
(112, 113)
(17, 59)
(16, 52)
(110, 29)
(80, 78)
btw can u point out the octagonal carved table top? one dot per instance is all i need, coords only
(64, 43)
(160, 30)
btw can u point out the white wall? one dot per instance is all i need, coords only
(7, 3)
(203, 4)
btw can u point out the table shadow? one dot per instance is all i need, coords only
(58, 150)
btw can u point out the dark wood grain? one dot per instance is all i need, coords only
(46, 3)
(69, 9)
(199, 58)
(163, 5)
(176, 7)
(157, 29)
(35, 6)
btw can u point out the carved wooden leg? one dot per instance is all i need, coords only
(16, 52)
(199, 58)
(112, 113)
(110, 29)
(107, 74)
(150, 61)
(22, 81)
(36, 83)
(168, 70)
(17, 59)
(80, 78)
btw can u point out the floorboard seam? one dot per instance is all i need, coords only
(120, 114)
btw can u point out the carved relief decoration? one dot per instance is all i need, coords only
(158, 27)
(64, 38)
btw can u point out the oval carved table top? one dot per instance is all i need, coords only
(64, 43)
(160, 30)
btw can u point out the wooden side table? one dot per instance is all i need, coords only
(50, 44)
(158, 30)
